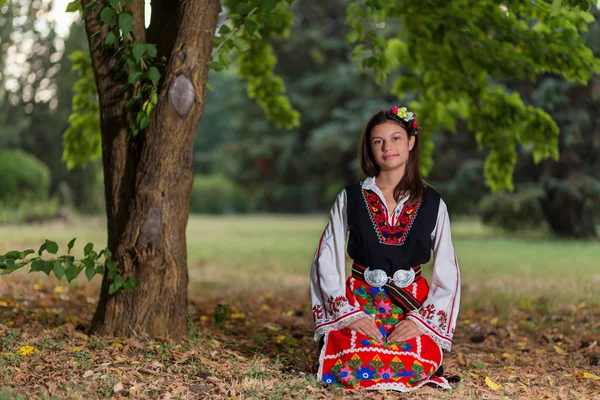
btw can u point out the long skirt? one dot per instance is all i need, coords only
(351, 360)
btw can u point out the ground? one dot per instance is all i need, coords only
(529, 325)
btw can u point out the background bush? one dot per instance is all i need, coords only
(215, 194)
(513, 211)
(23, 176)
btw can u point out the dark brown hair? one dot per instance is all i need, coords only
(411, 183)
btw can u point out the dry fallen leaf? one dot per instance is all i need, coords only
(118, 387)
(492, 385)
(559, 350)
(88, 373)
(135, 389)
(587, 375)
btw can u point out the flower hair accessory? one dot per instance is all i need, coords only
(408, 117)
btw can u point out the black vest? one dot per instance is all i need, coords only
(374, 244)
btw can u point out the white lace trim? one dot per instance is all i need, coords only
(445, 344)
(419, 345)
(351, 282)
(348, 317)
(403, 388)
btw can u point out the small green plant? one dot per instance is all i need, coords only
(219, 315)
(66, 265)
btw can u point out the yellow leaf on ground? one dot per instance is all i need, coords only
(59, 289)
(540, 351)
(204, 318)
(494, 321)
(559, 350)
(3, 304)
(37, 286)
(280, 339)
(587, 375)
(509, 356)
(290, 313)
(581, 305)
(27, 350)
(272, 327)
(550, 381)
(492, 385)
(238, 316)
(116, 345)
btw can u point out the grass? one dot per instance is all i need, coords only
(270, 248)
(527, 288)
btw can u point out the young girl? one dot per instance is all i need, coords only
(384, 327)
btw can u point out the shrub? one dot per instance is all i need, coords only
(215, 194)
(23, 176)
(513, 211)
(27, 211)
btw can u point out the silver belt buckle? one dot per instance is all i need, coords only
(403, 277)
(376, 278)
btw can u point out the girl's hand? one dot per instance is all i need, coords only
(366, 326)
(403, 331)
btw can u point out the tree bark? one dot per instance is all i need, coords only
(148, 178)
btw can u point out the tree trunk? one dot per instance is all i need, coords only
(148, 179)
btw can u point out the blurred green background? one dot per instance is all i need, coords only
(268, 190)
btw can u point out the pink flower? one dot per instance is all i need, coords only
(395, 109)
(345, 374)
(383, 307)
(386, 373)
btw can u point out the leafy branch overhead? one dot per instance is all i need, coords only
(449, 61)
(247, 30)
(67, 265)
(444, 62)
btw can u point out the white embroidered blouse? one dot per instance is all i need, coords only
(436, 317)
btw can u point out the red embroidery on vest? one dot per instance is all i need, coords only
(388, 234)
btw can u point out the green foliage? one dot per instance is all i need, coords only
(81, 141)
(23, 176)
(215, 194)
(66, 265)
(139, 64)
(513, 211)
(247, 31)
(447, 57)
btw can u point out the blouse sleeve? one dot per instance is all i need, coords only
(437, 316)
(330, 306)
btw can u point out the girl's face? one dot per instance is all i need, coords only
(391, 145)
